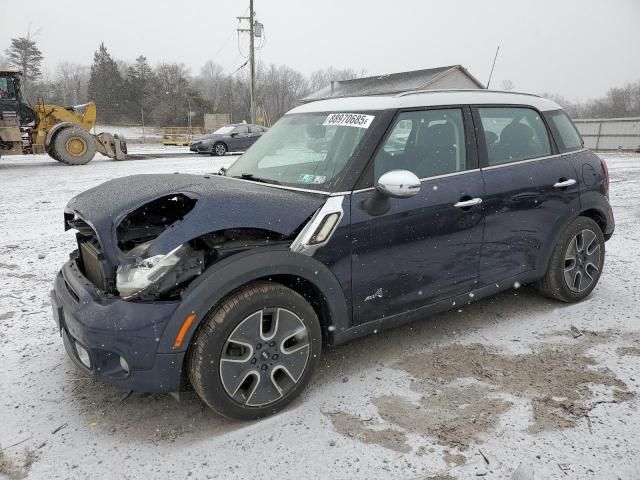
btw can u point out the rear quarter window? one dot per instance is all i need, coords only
(567, 136)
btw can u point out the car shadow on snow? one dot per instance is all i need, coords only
(160, 418)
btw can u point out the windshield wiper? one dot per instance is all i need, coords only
(251, 176)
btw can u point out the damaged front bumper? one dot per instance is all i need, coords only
(118, 341)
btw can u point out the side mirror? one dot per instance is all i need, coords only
(398, 184)
(393, 184)
(233, 134)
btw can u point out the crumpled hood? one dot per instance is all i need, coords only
(221, 203)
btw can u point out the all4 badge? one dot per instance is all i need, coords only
(378, 294)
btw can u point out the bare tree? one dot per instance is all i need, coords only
(508, 85)
(210, 84)
(322, 78)
(72, 80)
(173, 95)
(280, 88)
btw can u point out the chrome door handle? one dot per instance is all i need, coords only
(468, 203)
(565, 183)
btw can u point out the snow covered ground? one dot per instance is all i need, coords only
(494, 388)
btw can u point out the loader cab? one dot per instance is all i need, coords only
(11, 101)
(7, 87)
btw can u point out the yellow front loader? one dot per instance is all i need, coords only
(62, 132)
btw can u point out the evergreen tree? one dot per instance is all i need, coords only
(139, 88)
(25, 55)
(106, 87)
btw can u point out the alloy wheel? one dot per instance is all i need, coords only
(264, 357)
(582, 261)
(220, 149)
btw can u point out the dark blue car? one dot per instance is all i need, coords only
(349, 216)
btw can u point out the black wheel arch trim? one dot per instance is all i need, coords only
(592, 201)
(223, 278)
(588, 202)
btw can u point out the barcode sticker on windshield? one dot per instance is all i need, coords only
(349, 120)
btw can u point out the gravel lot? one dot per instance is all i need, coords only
(499, 389)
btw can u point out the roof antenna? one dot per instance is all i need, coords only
(493, 66)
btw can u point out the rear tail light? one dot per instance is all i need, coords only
(605, 169)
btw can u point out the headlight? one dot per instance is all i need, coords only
(160, 272)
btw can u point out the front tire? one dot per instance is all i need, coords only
(576, 262)
(73, 146)
(256, 351)
(219, 149)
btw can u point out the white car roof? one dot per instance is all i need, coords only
(427, 98)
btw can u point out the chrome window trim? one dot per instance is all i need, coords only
(349, 192)
(530, 160)
(284, 187)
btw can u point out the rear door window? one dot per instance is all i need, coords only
(513, 134)
(243, 130)
(566, 134)
(426, 142)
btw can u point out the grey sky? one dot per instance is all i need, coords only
(578, 48)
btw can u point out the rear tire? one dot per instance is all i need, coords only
(219, 149)
(576, 262)
(73, 146)
(255, 352)
(51, 151)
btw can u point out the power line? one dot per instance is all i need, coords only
(236, 70)
(224, 44)
(226, 41)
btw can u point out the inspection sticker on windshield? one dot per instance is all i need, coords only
(349, 120)
(309, 178)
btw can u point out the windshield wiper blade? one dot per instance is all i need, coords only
(251, 176)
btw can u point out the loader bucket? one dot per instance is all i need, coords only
(112, 146)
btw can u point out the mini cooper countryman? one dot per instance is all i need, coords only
(348, 216)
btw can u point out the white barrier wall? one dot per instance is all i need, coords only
(610, 133)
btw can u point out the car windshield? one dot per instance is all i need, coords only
(308, 150)
(224, 130)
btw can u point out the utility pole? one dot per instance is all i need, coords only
(252, 62)
(252, 57)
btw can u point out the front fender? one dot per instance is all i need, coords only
(55, 129)
(222, 278)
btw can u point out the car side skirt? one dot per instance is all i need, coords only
(376, 326)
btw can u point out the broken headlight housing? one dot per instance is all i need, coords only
(158, 274)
